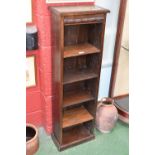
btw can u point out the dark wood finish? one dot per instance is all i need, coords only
(57, 76)
(76, 116)
(122, 105)
(81, 34)
(79, 10)
(76, 97)
(83, 20)
(74, 76)
(76, 135)
(77, 55)
(78, 50)
(120, 25)
(122, 102)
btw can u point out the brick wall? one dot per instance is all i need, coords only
(44, 94)
(33, 101)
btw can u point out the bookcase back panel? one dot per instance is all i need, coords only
(91, 107)
(74, 86)
(85, 33)
(76, 34)
(90, 126)
(88, 85)
(82, 62)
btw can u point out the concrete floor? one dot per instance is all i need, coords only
(114, 143)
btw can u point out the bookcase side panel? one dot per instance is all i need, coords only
(57, 76)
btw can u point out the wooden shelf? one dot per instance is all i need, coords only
(76, 116)
(78, 50)
(76, 135)
(76, 97)
(79, 75)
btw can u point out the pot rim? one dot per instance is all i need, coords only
(107, 99)
(36, 130)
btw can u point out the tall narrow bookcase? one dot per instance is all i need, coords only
(78, 33)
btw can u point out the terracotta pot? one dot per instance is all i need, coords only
(32, 139)
(106, 115)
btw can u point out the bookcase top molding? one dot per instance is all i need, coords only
(67, 1)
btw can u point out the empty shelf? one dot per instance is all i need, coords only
(77, 96)
(76, 116)
(78, 75)
(76, 135)
(78, 50)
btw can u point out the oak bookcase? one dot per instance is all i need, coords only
(78, 33)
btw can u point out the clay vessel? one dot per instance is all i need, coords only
(32, 139)
(106, 115)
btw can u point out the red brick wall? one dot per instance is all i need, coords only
(33, 101)
(39, 100)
